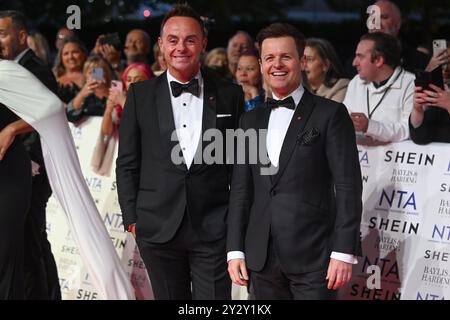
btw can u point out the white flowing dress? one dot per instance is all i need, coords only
(27, 97)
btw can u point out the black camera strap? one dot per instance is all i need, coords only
(370, 113)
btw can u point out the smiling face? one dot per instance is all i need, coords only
(72, 57)
(281, 65)
(137, 46)
(182, 43)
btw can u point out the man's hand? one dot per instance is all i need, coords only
(238, 272)
(107, 51)
(7, 137)
(360, 121)
(339, 274)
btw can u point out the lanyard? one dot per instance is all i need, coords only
(369, 113)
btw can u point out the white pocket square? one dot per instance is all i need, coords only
(223, 115)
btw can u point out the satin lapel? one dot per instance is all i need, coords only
(298, 122)
(208, 120)
(263, 124)
(165, 117)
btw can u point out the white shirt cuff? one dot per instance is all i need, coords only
(349, 258)
(235, 255)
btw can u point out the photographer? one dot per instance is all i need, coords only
(430, 118)
(109, 47)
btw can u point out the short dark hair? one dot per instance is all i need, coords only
(19, 20)
(183, 10)
(279, 30)
(386, 46)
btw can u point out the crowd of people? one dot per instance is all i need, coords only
(189, 220)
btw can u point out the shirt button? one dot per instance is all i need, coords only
(184, 149)
(184, 104)
(184, 126)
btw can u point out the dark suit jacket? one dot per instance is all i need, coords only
(312, 206)
(41, 71)
(154, 192)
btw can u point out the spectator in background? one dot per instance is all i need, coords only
(380, 97)
(37, 42)
(135, 72)
(41, 277)
(109, 47)
(216, 60)
(137, 46)
(323, 71)
(239, 43)
(248, 75)
(61, 35)
(103, 155)
(430, 118)
(91, 100)
(68, 68)
(390, 23)
(159, 66)
(412, 59)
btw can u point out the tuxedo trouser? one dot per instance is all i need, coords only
(41, 275)
(272, 283)
(184, 260)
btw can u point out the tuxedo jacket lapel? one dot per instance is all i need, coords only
(263, 124)
(165, 117)
(298, 122)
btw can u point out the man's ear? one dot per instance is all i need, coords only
(23, 37)
(204, 44)
(160, 43)
(303, 62)
(379, 61)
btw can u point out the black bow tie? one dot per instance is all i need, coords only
(285, 103)
(191, 87)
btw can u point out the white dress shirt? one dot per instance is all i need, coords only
(279, 121)
(187, 115)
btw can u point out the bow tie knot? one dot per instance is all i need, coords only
(285, 103)
(191, 87)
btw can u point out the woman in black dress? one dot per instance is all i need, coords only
(15, 193)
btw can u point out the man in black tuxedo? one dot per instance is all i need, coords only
(41, 277)
(299, 227)
(177, 209)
